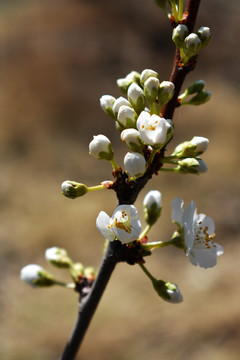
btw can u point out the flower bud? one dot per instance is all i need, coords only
(58, 257)
(192, 166)
(147, 73)
(168, 291)
(166, 92)
(134, 76)
(200, 98)
(106, 103)
(192, 148)
(90, 273)
(135, 164)
(35, 275)
(73, 189)
(179, 34)
(127, 117)
(151, 87)
(192, 44)
(152, 206)
(136, 97)
(124, 84)
(194, 88)
(204, 35)
(118, 103)
(132, 140)
(101, 148)
(77, 270)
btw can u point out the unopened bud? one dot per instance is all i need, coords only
(106, 102)
(168, 291)
(151, 87)
(89, 273)
(73, 189)
(194, 88)
(135, 164)
(192, 166)
(58, 257)
(127, 117)
(192, 44)
(200, 98)
(166, 92)
(118, 103)
(101, 148)
(147, 73)
(136, 97)
(77, 270)
(204, 35)
(152, 206)
(179, 34)
(192, 148)
(35, 275)
(132, 140)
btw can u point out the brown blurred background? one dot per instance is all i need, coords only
(56, 59)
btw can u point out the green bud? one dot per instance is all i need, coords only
(77, 270)
(204, 35)
(192, 166)
(90, 273)
(195, 87)
(166, 91)
(200, 98)
(73, 189)
(192, 148)
(168, 291)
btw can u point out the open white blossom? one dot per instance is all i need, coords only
(199, 233)
(152, 128)
(124, 224)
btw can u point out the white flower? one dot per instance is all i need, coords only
(199, 233)
(135, 164)
(100, 147)
(152, 129)
(124, 224)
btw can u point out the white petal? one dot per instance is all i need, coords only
(103, 223)
(188, 225)
(177, 210)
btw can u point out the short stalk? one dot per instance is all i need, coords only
(114, 165)
(145, 270)
(66, 285)
(97, 187)
(157, 244)
(154, 151)
(145, 231)
(180, 9)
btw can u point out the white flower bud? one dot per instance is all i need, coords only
(151, 87)
(147, 73)
(135, 164)
(192, 45)
(204, 35)
(192, 148)
(35, 275)
(132, 140)
(118, 103)
(58, 257)
(127, 117)
(101, 148)
(106, 103)
(136, 97)
(179, 34)
(192, 166)
(152, 206)
(166, 92)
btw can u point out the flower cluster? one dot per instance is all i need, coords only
(190, 44)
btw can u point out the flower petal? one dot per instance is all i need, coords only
(103, 223)
(177, 210)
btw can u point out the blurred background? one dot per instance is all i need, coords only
(56, 59)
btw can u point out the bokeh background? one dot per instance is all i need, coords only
(56, 59)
